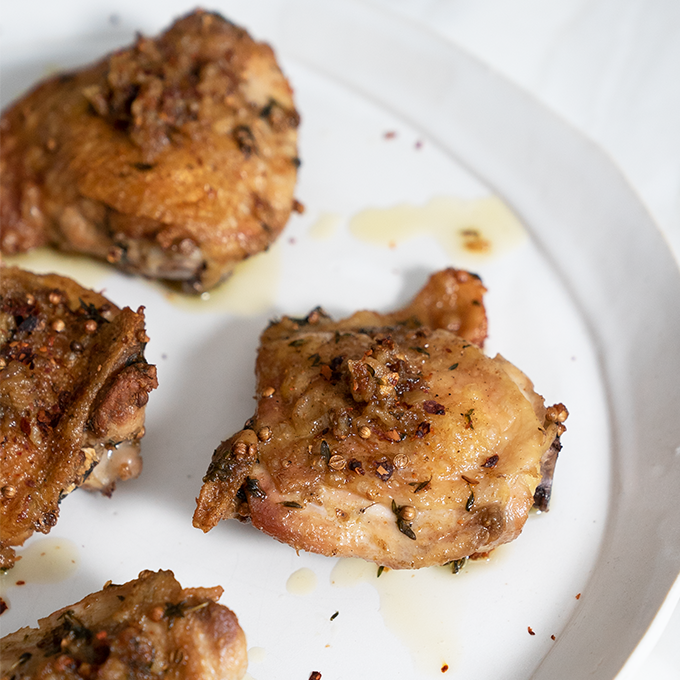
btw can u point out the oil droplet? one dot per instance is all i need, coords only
(256, 654)
(249, 291)
(87, 271)
(418, 606)
(325, 226)
(301, 582)
(349, 571)
(46, 560)
(468, 229)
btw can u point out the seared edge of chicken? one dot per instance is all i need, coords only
(384, 438)
(147, 628)
(175, 158)
(73, 388)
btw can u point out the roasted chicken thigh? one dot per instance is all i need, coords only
(174, 159)
(388, 437)
(147, 628)
(73, 388)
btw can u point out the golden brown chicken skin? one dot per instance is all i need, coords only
(73, 388)
(174, 159)
(147, 628)
(387, 437)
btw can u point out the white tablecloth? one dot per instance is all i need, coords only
(610, 68)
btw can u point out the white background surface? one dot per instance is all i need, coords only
(610, 68)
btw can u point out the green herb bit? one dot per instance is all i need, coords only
(468, 419)
(291, 504)
(420, 485)
(457, 565)
(254, 488)
(405, 528)
(380, 571)
(334, 616)
(470, 501)
(297, 343)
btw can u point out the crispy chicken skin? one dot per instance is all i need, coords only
(147, 628)
(174, 159)
(387, 437)
(73, 389)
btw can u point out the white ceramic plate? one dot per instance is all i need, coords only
(587, 306)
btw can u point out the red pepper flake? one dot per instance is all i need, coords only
(101, 635)
(391, 134)
(433, 407)
(384, 469)
(355, 466)
(25, 426)
(21, 583)
(445, 668)
(315, 675)
(578, 597)
(3, 606)
(552, 637)
(423, 429)
(531, 632)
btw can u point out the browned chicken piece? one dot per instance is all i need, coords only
(147, 628)
(73, 389)
(174, 159)
(388, 437)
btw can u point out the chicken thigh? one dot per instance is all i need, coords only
(73, 388)
(147, 628)
(175, 158)
(387, 437)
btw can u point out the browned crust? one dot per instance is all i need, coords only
(73, 379)
(147, 628)
(361, 420)
(175, 158)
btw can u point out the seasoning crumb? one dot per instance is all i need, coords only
(8, 491)
(365, 432)
(334, 616)
(391, 134)
(552, 637)
(58, 325)
(315, 675)
(531, 632)
(90, 326)
(578, 597)
(445, 668)
(268, 392)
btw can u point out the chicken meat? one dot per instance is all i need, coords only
(148, 628)
(73, 388)
(392, 437)
(174, 159)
